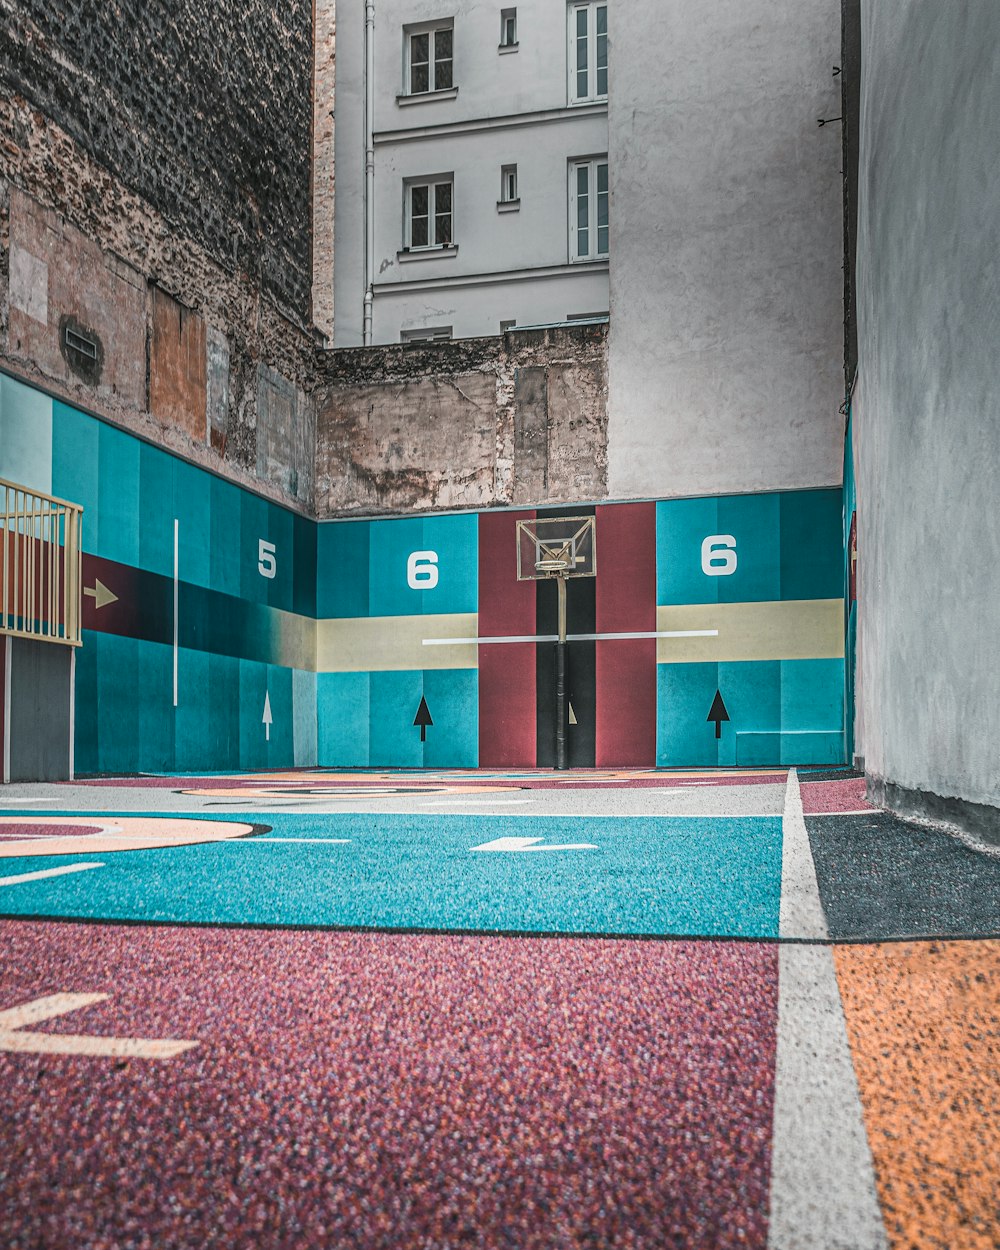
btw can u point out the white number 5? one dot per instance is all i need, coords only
(718, 555)
(267, 566)
(422, 570)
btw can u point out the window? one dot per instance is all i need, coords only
(429, 60)
(588, 52)
(508, 28)
(588, 209)
(508, 184)
(426, 334)
(428, 213)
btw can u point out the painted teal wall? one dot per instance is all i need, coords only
(230, 633)
(245, 638)
(789, 548)
(366, 718)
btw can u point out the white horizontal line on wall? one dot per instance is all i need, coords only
(661, 633)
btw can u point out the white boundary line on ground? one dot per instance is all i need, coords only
(823, 1194)
(47, 872)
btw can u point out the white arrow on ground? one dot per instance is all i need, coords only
(14, 1036)
(100, 594)
(530, 844)
(266, 720)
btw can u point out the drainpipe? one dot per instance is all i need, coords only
(369, 170)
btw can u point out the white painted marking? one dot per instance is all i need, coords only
(267, 564)
(100, 594)
(822, 1177)
(14, 1038)
(47, 872)
(718, 555)
(43, 800)
(658, 633)
(177, 526)
(801, 914)
(267, 720)
(254, 841)
(5, 642)
(72, 714)
(529, 844)
(458, 801)
(823, 1193)
(422, 570)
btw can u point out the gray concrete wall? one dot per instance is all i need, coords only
(928, 443)
(41, 710)
(726, 248)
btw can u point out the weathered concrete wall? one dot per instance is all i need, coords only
(519, 419)
(928, 435)
(181, 311)
(726, 248)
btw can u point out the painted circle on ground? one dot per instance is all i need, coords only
(339, 792)
(41, 835)
(49, 829)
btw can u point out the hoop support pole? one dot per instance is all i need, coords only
(561, 678)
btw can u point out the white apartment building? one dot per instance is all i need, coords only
(472, 167)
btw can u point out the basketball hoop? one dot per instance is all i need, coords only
(556, 565)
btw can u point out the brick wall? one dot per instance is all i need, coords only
(155, 201)
(203, 107)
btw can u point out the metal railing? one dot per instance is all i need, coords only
(39, 565)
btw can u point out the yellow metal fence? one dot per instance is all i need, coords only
(39, 565)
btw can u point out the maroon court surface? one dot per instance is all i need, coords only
(377, 1090)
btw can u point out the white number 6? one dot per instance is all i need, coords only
(718, 555)
(422, 570)
(267, 566)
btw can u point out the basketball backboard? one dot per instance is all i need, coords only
(564, 546)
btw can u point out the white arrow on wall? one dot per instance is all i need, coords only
(100, 594)
(530, 844)
(267, 720)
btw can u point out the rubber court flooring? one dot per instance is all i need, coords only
(595, 1009)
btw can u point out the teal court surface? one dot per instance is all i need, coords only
(469, 1008)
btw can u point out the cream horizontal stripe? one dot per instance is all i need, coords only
(793, 629)
(372, 644)
(293, 640)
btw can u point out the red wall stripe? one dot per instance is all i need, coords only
(626, 602)
(507, 705)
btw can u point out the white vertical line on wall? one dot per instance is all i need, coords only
(5, 711)
(176, 598)
(72, 715)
